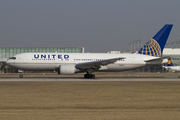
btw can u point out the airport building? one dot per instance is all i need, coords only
(174, 53)
(6, 53)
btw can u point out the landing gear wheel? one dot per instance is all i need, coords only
(89, 76)
(20, 76)
(92, 76)
(86, 76)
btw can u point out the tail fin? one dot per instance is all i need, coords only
(155, 46)
(169, 63)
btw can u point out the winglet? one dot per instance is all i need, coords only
(155, 46)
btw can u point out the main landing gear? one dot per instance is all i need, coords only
(89, 76)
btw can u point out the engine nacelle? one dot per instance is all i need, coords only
(67, 69)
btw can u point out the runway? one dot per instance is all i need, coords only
(98, 79)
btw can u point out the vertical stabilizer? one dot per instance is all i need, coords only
(169, 63)
(155, 46)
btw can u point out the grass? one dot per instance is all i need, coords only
(89, 100)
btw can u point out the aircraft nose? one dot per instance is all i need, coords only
(7, 62)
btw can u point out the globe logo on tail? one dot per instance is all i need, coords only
(151, 48)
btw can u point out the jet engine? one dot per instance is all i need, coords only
(67, 69)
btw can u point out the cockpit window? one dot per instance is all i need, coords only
(13, 58)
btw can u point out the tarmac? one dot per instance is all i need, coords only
(82, 79)
(97, 74)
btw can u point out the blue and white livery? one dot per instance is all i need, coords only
(155, 46)
(171, 67)
(71, 63)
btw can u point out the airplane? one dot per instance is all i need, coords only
(171, 67)
(71, 63)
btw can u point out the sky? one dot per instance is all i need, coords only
(99, 26)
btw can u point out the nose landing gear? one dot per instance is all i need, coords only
(20, 76)
(20, 71)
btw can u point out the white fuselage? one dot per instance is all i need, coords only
(173, 68)
(51, 61)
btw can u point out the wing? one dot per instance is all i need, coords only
(96, 64)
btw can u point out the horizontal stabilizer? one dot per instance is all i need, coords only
(161, 58)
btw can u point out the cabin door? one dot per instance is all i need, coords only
(25, 59)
